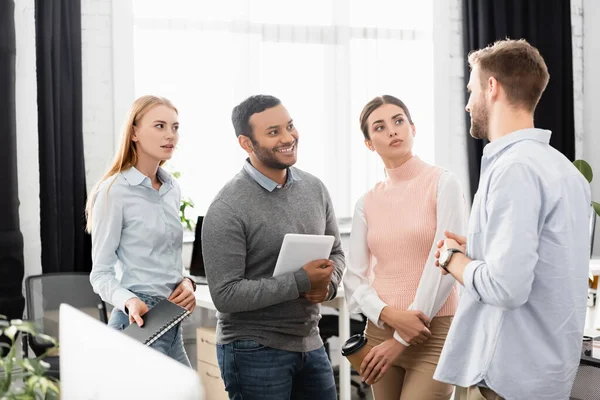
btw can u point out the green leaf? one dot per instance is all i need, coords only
(44, 386)
(585, 169)
(32, 382)
(596, 207)
(10, 332)
(28, 327)
(47, 338)
(53, 387)
(26, 364)
(176, 175)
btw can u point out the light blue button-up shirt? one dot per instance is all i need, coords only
(136, 237)
(268, 183)
(519, 324)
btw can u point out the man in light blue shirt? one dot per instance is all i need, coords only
(517, 333)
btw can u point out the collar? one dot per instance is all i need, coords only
(495, 147)
(134, 177)
(268, 183)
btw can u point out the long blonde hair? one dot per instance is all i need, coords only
(127, 156)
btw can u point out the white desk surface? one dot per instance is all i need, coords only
(595, 266)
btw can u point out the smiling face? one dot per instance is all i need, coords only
(274, 138)
(156, 134)
(391, 134)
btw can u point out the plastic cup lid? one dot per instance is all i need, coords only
(354, 344)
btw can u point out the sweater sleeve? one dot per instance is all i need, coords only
(224, 251)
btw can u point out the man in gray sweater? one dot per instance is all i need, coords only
(268, 337)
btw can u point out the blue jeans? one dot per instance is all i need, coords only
(170, 344)
(252, 371)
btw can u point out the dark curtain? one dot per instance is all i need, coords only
(545, 24)
(65, 246)
(11, 239)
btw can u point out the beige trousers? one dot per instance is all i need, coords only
(411, 376)
(475, 393)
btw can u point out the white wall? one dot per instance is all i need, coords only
(27, 136)
(106, 22)
(578, 100)
(108, 89)
(97, 87)
(449, 88)
(591, 96)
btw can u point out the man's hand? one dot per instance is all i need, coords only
(460, 240)
(317, 295)
(183, 295)
(380, 358)
(452, 241)
(136, 308)
(319, 272)
(411, 325)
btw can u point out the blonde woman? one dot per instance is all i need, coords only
(392, 277)
(132, 214)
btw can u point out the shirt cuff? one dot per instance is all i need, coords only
(120, 297)
(371, 306)
(302, 281)
(469, 275)
(399, 339)
(332, 291)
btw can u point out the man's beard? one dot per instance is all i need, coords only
(479, 121)
(269, 158)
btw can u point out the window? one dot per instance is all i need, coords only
(325, 59)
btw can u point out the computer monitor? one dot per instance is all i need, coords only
(197, 263)
(98, 362)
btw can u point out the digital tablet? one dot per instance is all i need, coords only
(298, 250)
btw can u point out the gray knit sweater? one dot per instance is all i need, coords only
(242, 234)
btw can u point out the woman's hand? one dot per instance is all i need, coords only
(411, 325)
(378, 360)
(136, 308)
(183, 295)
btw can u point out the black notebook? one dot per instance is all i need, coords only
(157, 321)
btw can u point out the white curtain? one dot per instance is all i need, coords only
(325, 59)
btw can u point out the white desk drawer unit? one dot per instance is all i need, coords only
(208, 367)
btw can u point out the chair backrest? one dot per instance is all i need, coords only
(44, 294)
(587, 380)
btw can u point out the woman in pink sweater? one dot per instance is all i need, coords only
(392, 278)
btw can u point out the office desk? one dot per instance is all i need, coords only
(204, 300)
(595, 266)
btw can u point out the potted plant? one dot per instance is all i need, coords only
(587, 172)
(185, 203)
(24, 379)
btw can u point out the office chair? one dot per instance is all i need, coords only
(587, 380)
(328, 327)
(44, 294)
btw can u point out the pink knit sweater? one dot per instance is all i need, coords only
(401, 218)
